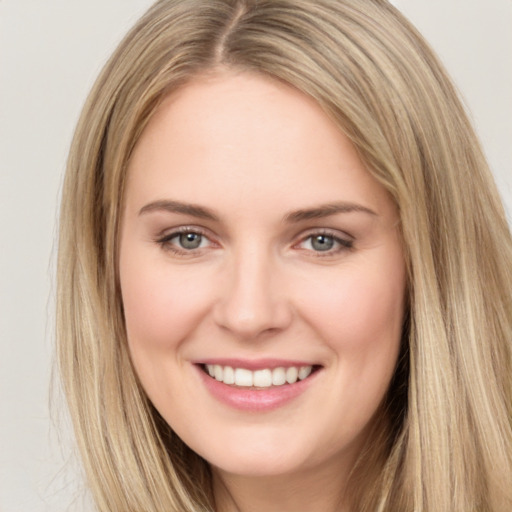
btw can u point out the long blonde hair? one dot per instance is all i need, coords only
(449, 408)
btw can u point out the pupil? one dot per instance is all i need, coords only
(322, 242)
(190, 240)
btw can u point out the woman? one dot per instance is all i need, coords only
(284, 270)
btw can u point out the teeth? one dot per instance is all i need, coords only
(278, 376)
(229, 375)
(292, 374)
(243, 377)
(264, 378)
(304, 372)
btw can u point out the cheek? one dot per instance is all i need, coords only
(359, 315)
(374, 309)
(161, 304)
(357, 308)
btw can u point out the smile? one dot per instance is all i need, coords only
(257, 386)
(262, 378)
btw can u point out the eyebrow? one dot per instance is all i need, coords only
(326, 210)
(179, 207)
(317, 212)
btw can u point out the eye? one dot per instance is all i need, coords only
(322, 242)
(189, 240)
(325, 243)
(184, 241)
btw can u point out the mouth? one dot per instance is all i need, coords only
(260, 379)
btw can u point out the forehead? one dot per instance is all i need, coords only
(248, 133)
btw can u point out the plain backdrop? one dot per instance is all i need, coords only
(50, 53)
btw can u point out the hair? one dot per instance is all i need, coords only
(447, 440)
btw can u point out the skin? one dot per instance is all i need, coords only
(252, 151)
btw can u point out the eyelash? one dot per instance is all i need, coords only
(166, 241)
(343, 244)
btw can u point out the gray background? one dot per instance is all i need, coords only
(50, 53)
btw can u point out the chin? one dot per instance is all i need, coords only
(259, 465)
(258, 456)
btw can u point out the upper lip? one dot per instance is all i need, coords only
(254, 364)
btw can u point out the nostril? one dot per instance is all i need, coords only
(252, 320)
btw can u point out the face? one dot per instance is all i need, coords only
(262, 277)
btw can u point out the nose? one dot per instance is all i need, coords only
(252, 300)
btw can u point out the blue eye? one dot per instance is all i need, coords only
(325, 243)
(183, 242)
(322, 242)
(189, 241)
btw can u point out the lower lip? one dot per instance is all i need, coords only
(250, 399)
